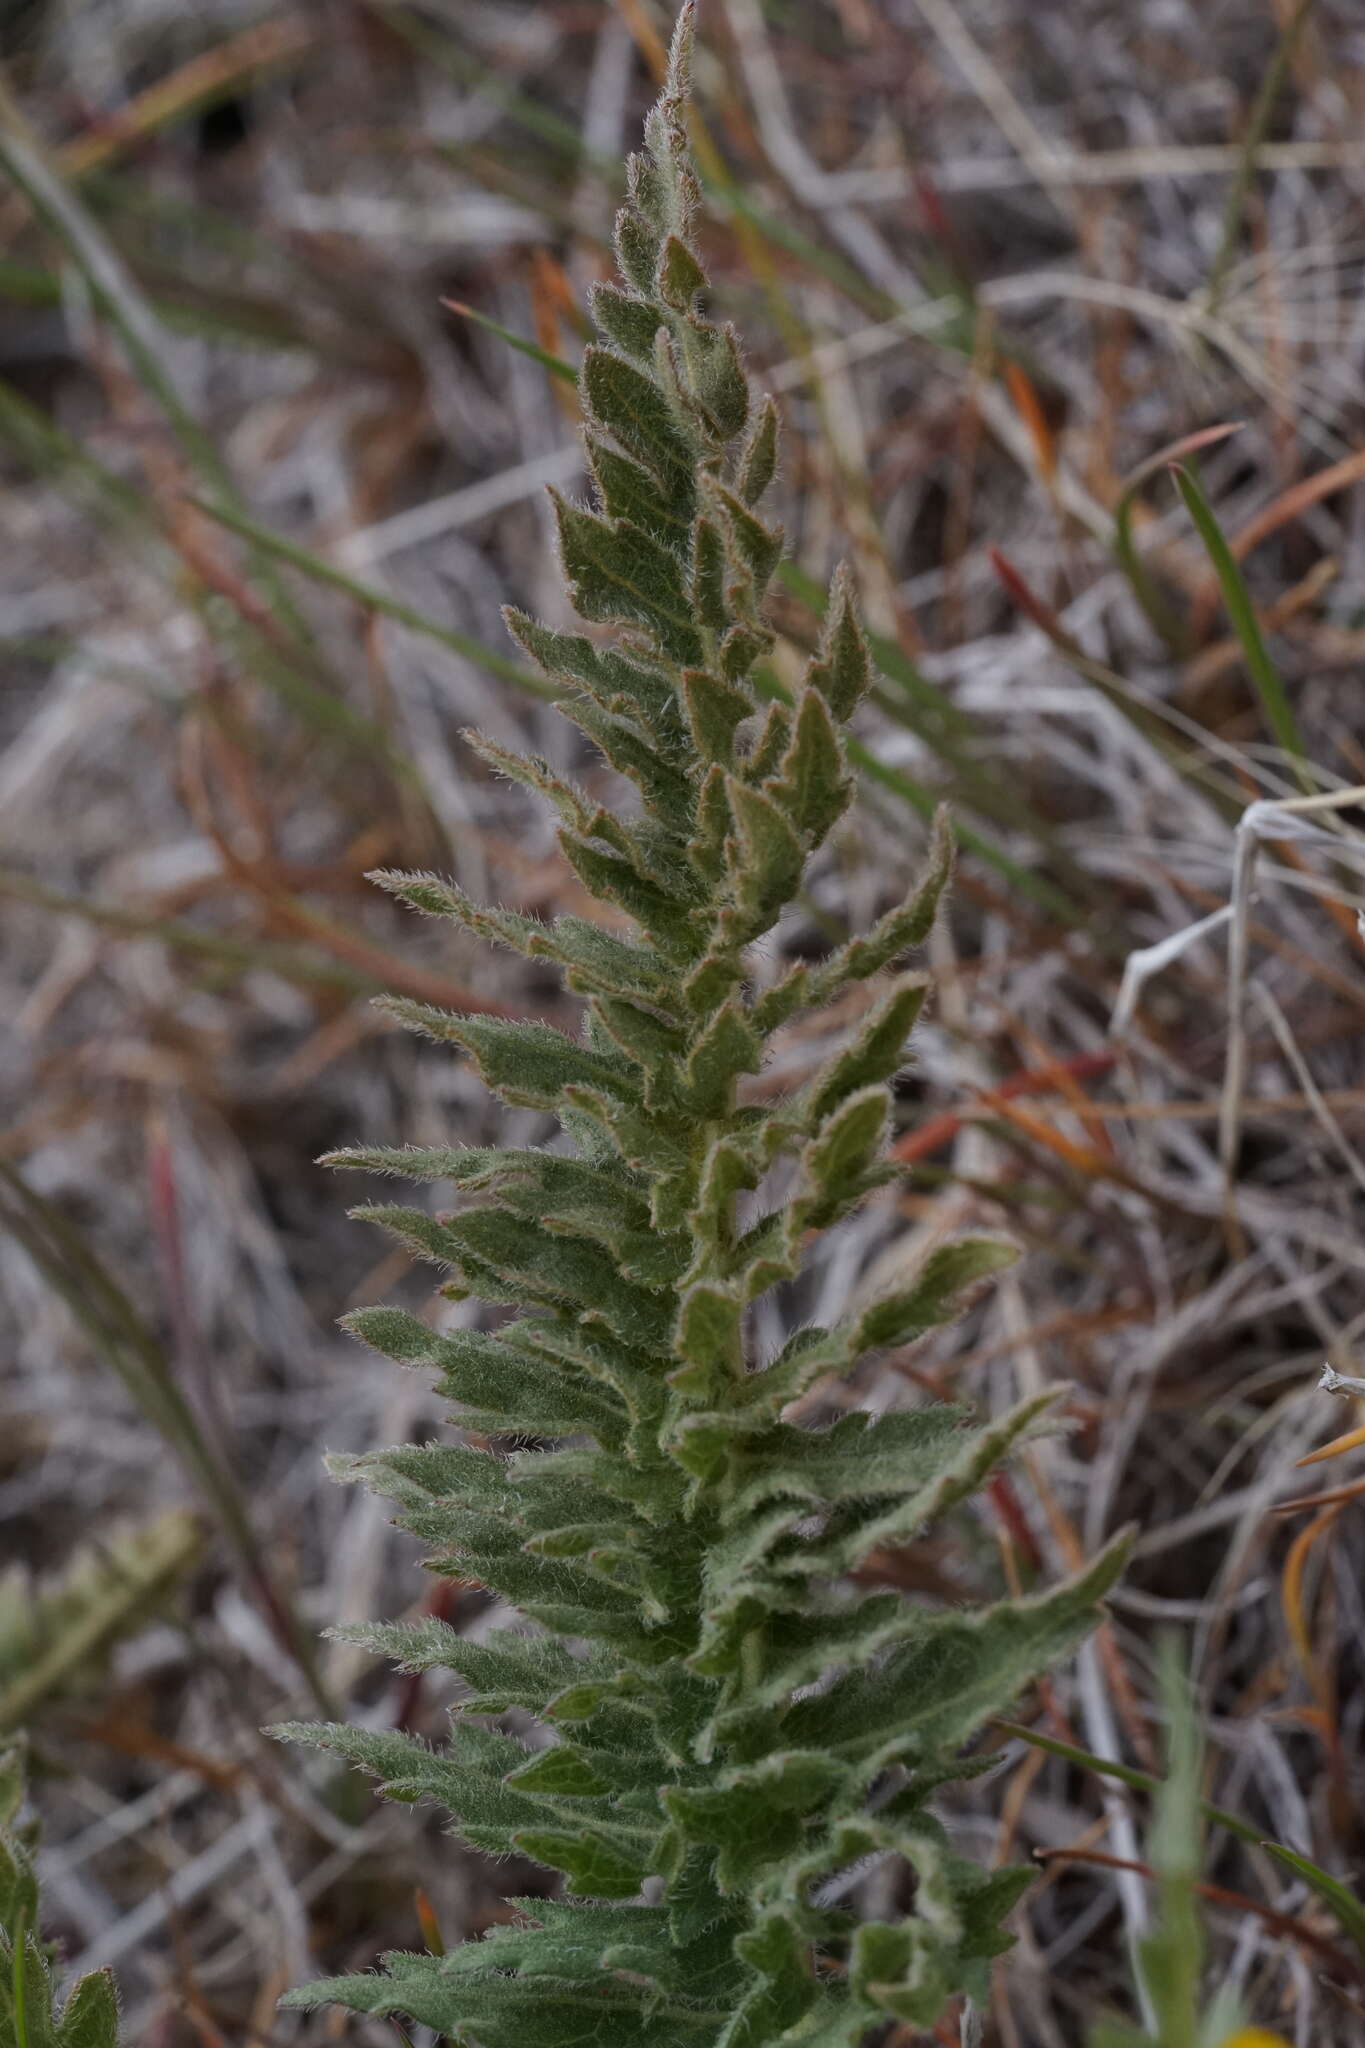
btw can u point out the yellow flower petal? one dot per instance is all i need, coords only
(1254, 2037)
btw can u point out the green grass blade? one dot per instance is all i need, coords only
(234, 956)
(556, 365)
(1237, 599)
(926, 802)
(1130, 560)
(49, 451)
(375, 600)
(1347, 1909)
(1126, 1774)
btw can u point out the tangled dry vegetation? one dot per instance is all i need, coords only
(994, 258)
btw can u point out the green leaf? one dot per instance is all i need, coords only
(527, 1064)
(543, 1184)
(936, 1293)
(843, 669)
(630, 322)
(755, 1815)
(415, 1474)
(508, 1258)
(468, 1784)
(871, 1483)
(532, 773)
(908, 925)
(710, 599)
(605, 673)
(742, 646)
(898, 1499)
(89, 2019)
(495, 1377)
(505, 1671)
(786, 1988)
(764, 858)
(434, 896)
(859, 1457)
(596, 1867)
(730, 1169)
(759, 547)
(562, 1769)
(758, 464)
(719, 389)
(617, 880)
(727, 1048)
(715, 711)
(900, 1970)
(506, 2011)
(648, 1042)
(575, 1944)
(876, 1052)
(618, 572)
(680, 276)
(942, 1674)
(908, 1969)
(707, 1340)
(814, 788)
(627, 402)
(592, 1355)
(772, 742)
(628, 492)
(841, 1157)
(637, 249)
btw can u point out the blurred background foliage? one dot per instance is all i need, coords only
(1062, 307)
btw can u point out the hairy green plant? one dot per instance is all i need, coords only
(30, 2014)
(725, 1723)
